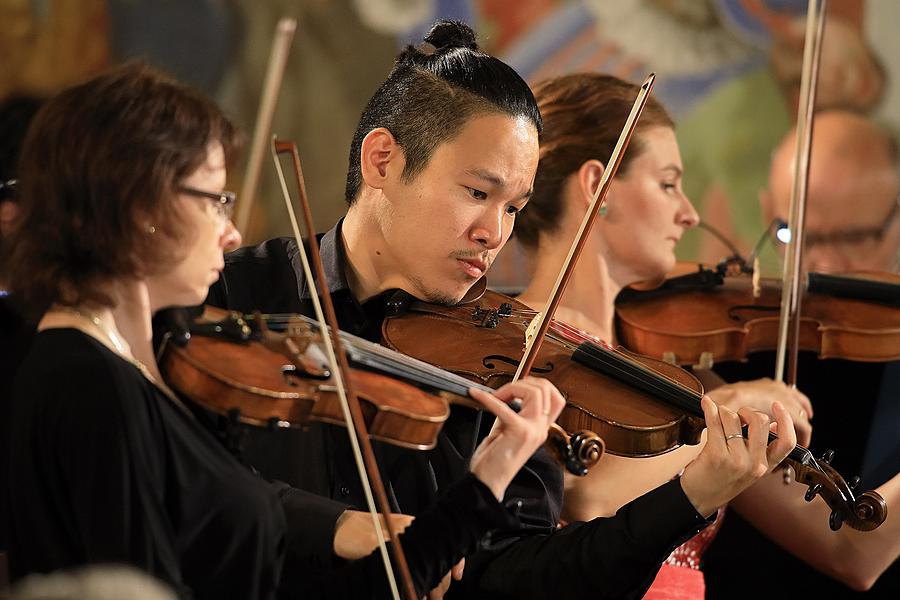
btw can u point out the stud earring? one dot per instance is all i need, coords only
(151, 230)
(602, 211)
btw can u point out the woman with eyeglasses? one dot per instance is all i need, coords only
(645, 215)
(123, 214)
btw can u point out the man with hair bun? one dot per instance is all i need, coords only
(122, 214)
(442, 161)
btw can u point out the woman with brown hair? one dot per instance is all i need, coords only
(645, 215)
(123, 213)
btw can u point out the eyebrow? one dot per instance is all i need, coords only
(494, 180)
(675, 168)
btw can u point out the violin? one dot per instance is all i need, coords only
(236, 366)
(722, 314)
(640, 406)
(270, 370)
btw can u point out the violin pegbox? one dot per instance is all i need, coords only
(862, 513)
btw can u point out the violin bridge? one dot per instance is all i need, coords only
(757, 286)
(531, 330)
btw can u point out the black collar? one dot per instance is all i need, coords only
(334, 261)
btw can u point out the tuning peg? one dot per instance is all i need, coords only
(836, 520)
(854, 482)
(812, 491)
(826, 458)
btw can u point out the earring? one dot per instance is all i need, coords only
(151, 230)
(602, 211)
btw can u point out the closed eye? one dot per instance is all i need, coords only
(477, 194)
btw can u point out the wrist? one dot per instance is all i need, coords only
(697, 496)
(492, 480)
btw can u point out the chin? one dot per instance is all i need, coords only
(665, 265)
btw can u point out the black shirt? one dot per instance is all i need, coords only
(615, 557)
(106, 468)
(844, 395)
(16, 332)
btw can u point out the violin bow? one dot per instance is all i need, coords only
(789, 320)
(281, 46)
(543, 319)
(356, 430)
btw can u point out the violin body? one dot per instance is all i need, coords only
(483, 342)
(284, 380)
(726, 320)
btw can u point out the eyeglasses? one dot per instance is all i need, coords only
(855, 236)
(8, 189)
(223, 201)
(859, 240)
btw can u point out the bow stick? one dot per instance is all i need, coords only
(544, 318)
(359, 436)
(789, 321)
(281, 45)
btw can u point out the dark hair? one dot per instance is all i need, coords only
(100, 164)
(432, 92)
(583, 116)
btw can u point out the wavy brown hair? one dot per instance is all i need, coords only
(583, 115)
(101, 163)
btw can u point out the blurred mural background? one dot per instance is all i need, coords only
(728, 70)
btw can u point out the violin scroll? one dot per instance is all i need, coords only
(578, 451)
(862, 513)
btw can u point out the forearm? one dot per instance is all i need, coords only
(855, 558)
(435, 541)
(615, 557)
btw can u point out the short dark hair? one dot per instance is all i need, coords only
(100, 162)
(432, 92)
(583, 116)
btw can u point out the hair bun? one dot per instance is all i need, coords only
(451, 34)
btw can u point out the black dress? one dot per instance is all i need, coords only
(16, 332)
(106, 468)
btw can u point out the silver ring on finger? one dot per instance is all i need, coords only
(734, 436)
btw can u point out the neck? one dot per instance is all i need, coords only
(369, 263)
(125, 327)
(588, 302)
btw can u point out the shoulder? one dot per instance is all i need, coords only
(66, 364)
(260, 277)
(270, 252)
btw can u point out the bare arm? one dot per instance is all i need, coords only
(855, 558)
(615, 481)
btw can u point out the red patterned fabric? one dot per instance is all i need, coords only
(680, 577)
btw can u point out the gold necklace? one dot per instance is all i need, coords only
(119, 346)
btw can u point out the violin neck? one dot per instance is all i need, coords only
(855, 288)
(368, 355)
(621, 368)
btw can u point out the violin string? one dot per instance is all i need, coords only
(439, 377)
(626, 366)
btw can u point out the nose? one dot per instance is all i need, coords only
(687, 215)
(488, 228)
(820, 259)
(231, 237)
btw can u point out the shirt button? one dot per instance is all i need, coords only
(345, 491)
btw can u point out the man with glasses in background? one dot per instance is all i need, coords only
(852, 217)
(852, 224)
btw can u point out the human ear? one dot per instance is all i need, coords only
(589, 175)
(378, 150)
